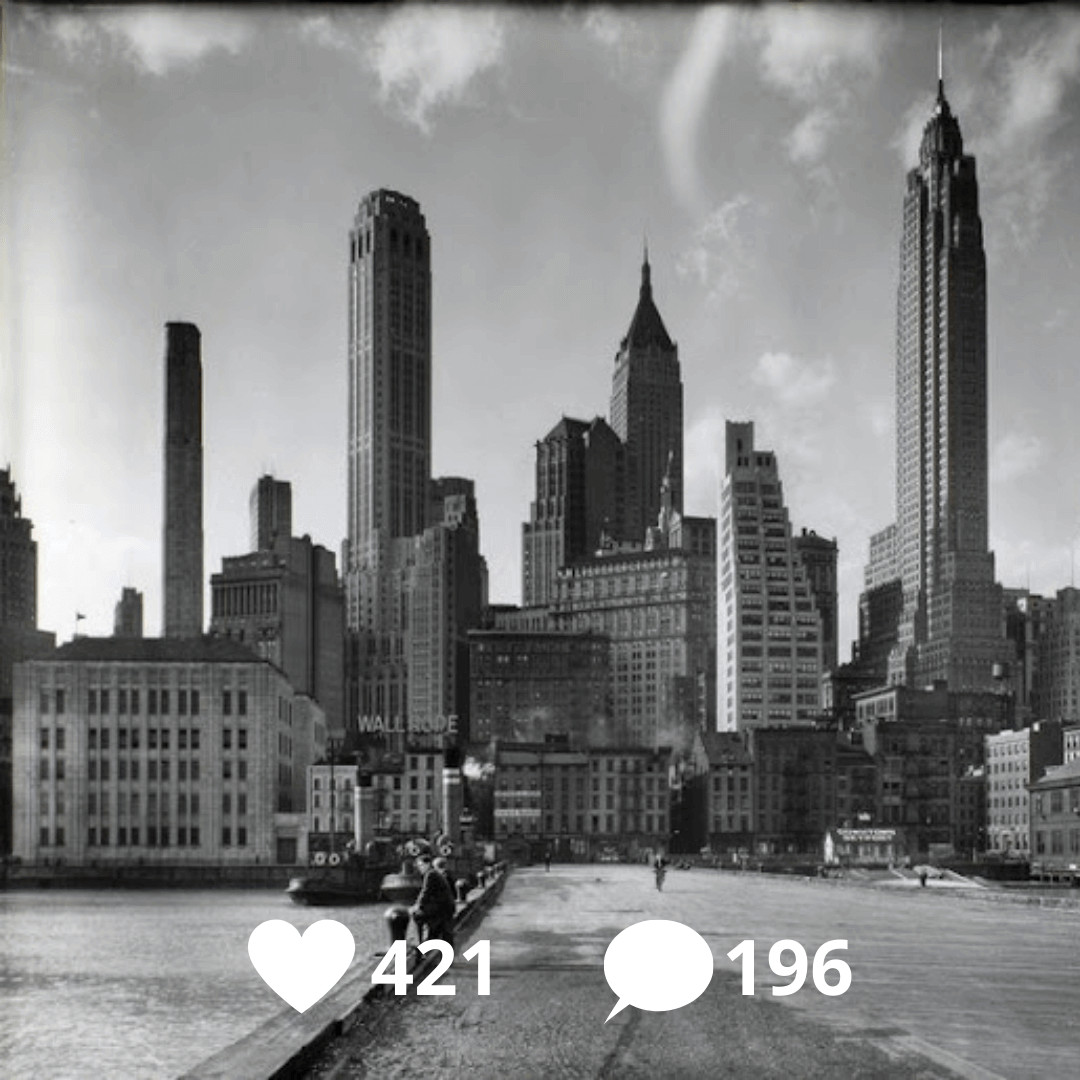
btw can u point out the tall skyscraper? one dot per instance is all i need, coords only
(183, 532)
(389, 389)
(951, 624)
(579, 476)
(647, 413)
(769, 635)
(270, 507)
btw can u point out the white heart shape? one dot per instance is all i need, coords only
(298, 969)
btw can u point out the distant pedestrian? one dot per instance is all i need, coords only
(547, 860)
(922, 876)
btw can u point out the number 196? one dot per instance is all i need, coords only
(745, 951)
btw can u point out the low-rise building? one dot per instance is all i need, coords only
(1055, 823)
(150, 750)
(1014, 761)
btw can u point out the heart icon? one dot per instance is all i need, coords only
(298, 969)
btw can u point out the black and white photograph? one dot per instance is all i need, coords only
(539, 541)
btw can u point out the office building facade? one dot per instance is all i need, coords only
(769, 634)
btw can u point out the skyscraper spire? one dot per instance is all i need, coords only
(646, 271)
(940, 64)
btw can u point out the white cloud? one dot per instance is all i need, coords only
(805, 45)
(1014, 456)
(702, 462)
(795, 381)
(718, 258)
(155, 40)
(682, 105)
(807, 142)
(425, 57)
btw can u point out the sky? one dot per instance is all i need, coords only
(205, 165)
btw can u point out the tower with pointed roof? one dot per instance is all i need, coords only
(647, 412)
(951, 624)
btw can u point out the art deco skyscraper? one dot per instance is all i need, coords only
(951, 623)
(389, 389)
(183, 531)
(647, 413)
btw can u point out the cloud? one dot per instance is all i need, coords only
(804, 46)
(628, 44)
(682, 105)
(1014, 456)
(154, 40)
(424, 57)
(718, 256)
(809, 53)
(807, 142)
(795, 382)
(702, 454)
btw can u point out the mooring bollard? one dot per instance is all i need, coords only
(461, 887)
(397, 922)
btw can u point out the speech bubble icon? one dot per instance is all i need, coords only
(301, 969)
(657, 965)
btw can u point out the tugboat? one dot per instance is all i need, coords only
(341, 879)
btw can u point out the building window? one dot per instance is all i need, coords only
(134, 835)
(121, 702)
(134, 702)
(59, 835)
(104, 702)
(151, 769)
(195, 771)
(164, 738)
(44, 738)
(194, 702)
(151, 702)
(91, 702)
(181, 770)
(241, 702)
(241, 836)
(165, 769)
(181, 702)
(194, 740)
(43, 701)
(43, 770)
(104, 739)
(241, 739)
(164, 707)
(226, 769)
(194, 836)
(226, 802)
(151, 738)
(226, 738)
(59, 702)
(226, 703)
(134, 768)
(181, 739)
(226, 836)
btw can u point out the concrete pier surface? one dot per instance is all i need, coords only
(939, 987)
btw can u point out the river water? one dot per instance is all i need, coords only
(140, 985)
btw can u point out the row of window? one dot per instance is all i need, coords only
(128, 702)
(130, 770)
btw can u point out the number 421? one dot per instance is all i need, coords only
(397, 955)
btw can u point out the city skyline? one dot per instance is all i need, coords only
(771, 206)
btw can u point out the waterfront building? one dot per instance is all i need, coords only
(795, 781)
(950, 627)
(579, 498)
(1071, 743)
(721, 792)
(128, 614)
(769, 629)
(925, 744)
(579, 804)
(285, 604)
(182, 560)
(647, 413)
(1055, 823)
(270, 512)
(526, 685)
(160, 751)
(1014, 761)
